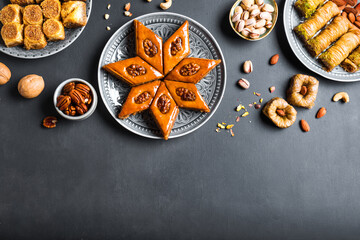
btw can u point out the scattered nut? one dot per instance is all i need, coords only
(108, 28)
(31, 86)
(221, 126)
(149, 0)
(108, 6)
(341, 96)
(245, 114)
(274, 59)
(303, 90)
(49, 122)
(244, 83)
(127, 14)
(321, 112)
(106, 16)
(5, 74)
(272, 89)
(257, 106)
(248, 66)
(304, 125)
(166, 5)
(127, 6)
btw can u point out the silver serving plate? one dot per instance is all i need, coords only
(52, 47)
(291, 20)
(122, 45)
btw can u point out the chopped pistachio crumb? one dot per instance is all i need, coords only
(261, 100)
(229, 126)
(245, 114)
(217, 130)
(221, 126)
(232, 133)
(238, 108)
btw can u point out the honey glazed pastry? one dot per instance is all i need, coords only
(51, 9)
(34, 37)
(280, 112)
(22, 2)
(12, 34)
(302, 91)
(73, 14)
(11, 14)
(54, 30)
(32, 15)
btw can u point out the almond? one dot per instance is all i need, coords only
(274, 59)
(321, 112)
(358, 18)
(304, 125)
(357, 23)
(127, 6)
(303, 90)
(280, 112)
(344, 14)
(339, 3)
(351, 17)
(351, 2)
(358, 7)
(350, 10)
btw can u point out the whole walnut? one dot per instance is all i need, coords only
(5, 74)
(31, 86)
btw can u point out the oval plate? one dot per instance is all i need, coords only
(291, 20)
(52, 48)
(122, 45)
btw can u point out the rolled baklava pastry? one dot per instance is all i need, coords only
(73, 14)
(337, 53)
(51, 9)
(32, 15)
(22, 2)
(307, 7)
(338, 27)
(54, 30)
(321, 17)
(12, 34)
(352, 62)
(34, 37)
(11, 13)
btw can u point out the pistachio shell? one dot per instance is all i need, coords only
(260, 23)
(240, 25)
(245, 15)
(238, 9)
(250, 22)
(236, 17)
(268, 8)
(266, 16)
(255, 12)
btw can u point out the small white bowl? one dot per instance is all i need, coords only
(93, 104)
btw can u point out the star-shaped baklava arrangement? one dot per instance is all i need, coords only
(155, 61)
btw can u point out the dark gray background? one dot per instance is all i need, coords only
(95, 180)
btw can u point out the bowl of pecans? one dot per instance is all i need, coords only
(75, 99)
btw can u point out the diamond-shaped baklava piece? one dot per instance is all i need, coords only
(192, 70)
(149, 46)
(187, 96)
(139, 99)
(134, 71)
(164, 110)
(176, 48)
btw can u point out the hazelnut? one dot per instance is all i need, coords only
(5, 74)
(31, 86)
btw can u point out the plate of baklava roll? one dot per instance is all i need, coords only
(324, 37)
(40, 28)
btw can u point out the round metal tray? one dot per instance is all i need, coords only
(52, 47)
(122, 45)
(291, 20)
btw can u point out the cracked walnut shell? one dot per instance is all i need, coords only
(302, 91)
(282, 114)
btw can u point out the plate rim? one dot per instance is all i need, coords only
(215, 45)
(287, 6)
(61, 49)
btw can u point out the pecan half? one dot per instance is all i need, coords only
(83, 89)
(136, 70)
(143, 97)
(71, 111)
(189, 69)
(186, 94)
(150, 48)
(68, 87)
(76, 97)
(176, 46)
(49, 122)
(88, 99)
(81, 108)
(63, 102)
(164, 104)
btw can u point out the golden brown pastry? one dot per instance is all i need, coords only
(12, 34)
(22, 2)
(282, 114)
(34, 37)
(54, 30)
(73, 14)
(11, 13)
(32, 15)
(302, 91)
(51, 9)
(73, 0)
